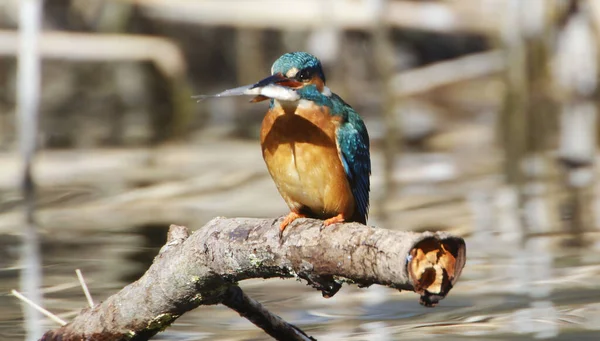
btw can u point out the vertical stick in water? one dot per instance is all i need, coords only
(28, 89)
(385, 69)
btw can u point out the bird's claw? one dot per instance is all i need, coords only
(334, 220)
(286, 221)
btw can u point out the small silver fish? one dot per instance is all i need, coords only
(279, 92)
(276, 86)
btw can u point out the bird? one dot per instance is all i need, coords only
(314, 144)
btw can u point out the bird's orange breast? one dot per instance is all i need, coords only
(300, 149)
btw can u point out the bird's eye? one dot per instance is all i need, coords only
(304, 75)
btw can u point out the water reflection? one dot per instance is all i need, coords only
(512, 288)
(376, 331)
(540, 319)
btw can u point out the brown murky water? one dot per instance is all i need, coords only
(106, 212)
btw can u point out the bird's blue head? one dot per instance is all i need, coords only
(300, 66)
(295, 75)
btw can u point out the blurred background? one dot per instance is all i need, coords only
(483, 122)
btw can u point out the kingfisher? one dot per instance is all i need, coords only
(315, 145)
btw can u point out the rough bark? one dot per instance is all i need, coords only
(202, 269)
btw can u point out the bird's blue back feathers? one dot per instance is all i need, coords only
(353, 141)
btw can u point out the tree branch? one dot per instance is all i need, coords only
(272, 324)
(205, 267)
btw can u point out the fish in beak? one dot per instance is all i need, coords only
(276, 86)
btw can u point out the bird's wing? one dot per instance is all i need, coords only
(353, 142)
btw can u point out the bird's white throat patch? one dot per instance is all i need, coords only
(292, 106)
(288, 98)
(286, 94)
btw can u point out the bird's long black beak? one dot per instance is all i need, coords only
(273, 79)
(276, 79)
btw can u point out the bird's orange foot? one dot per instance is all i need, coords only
(337, 219)
(288, 220)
